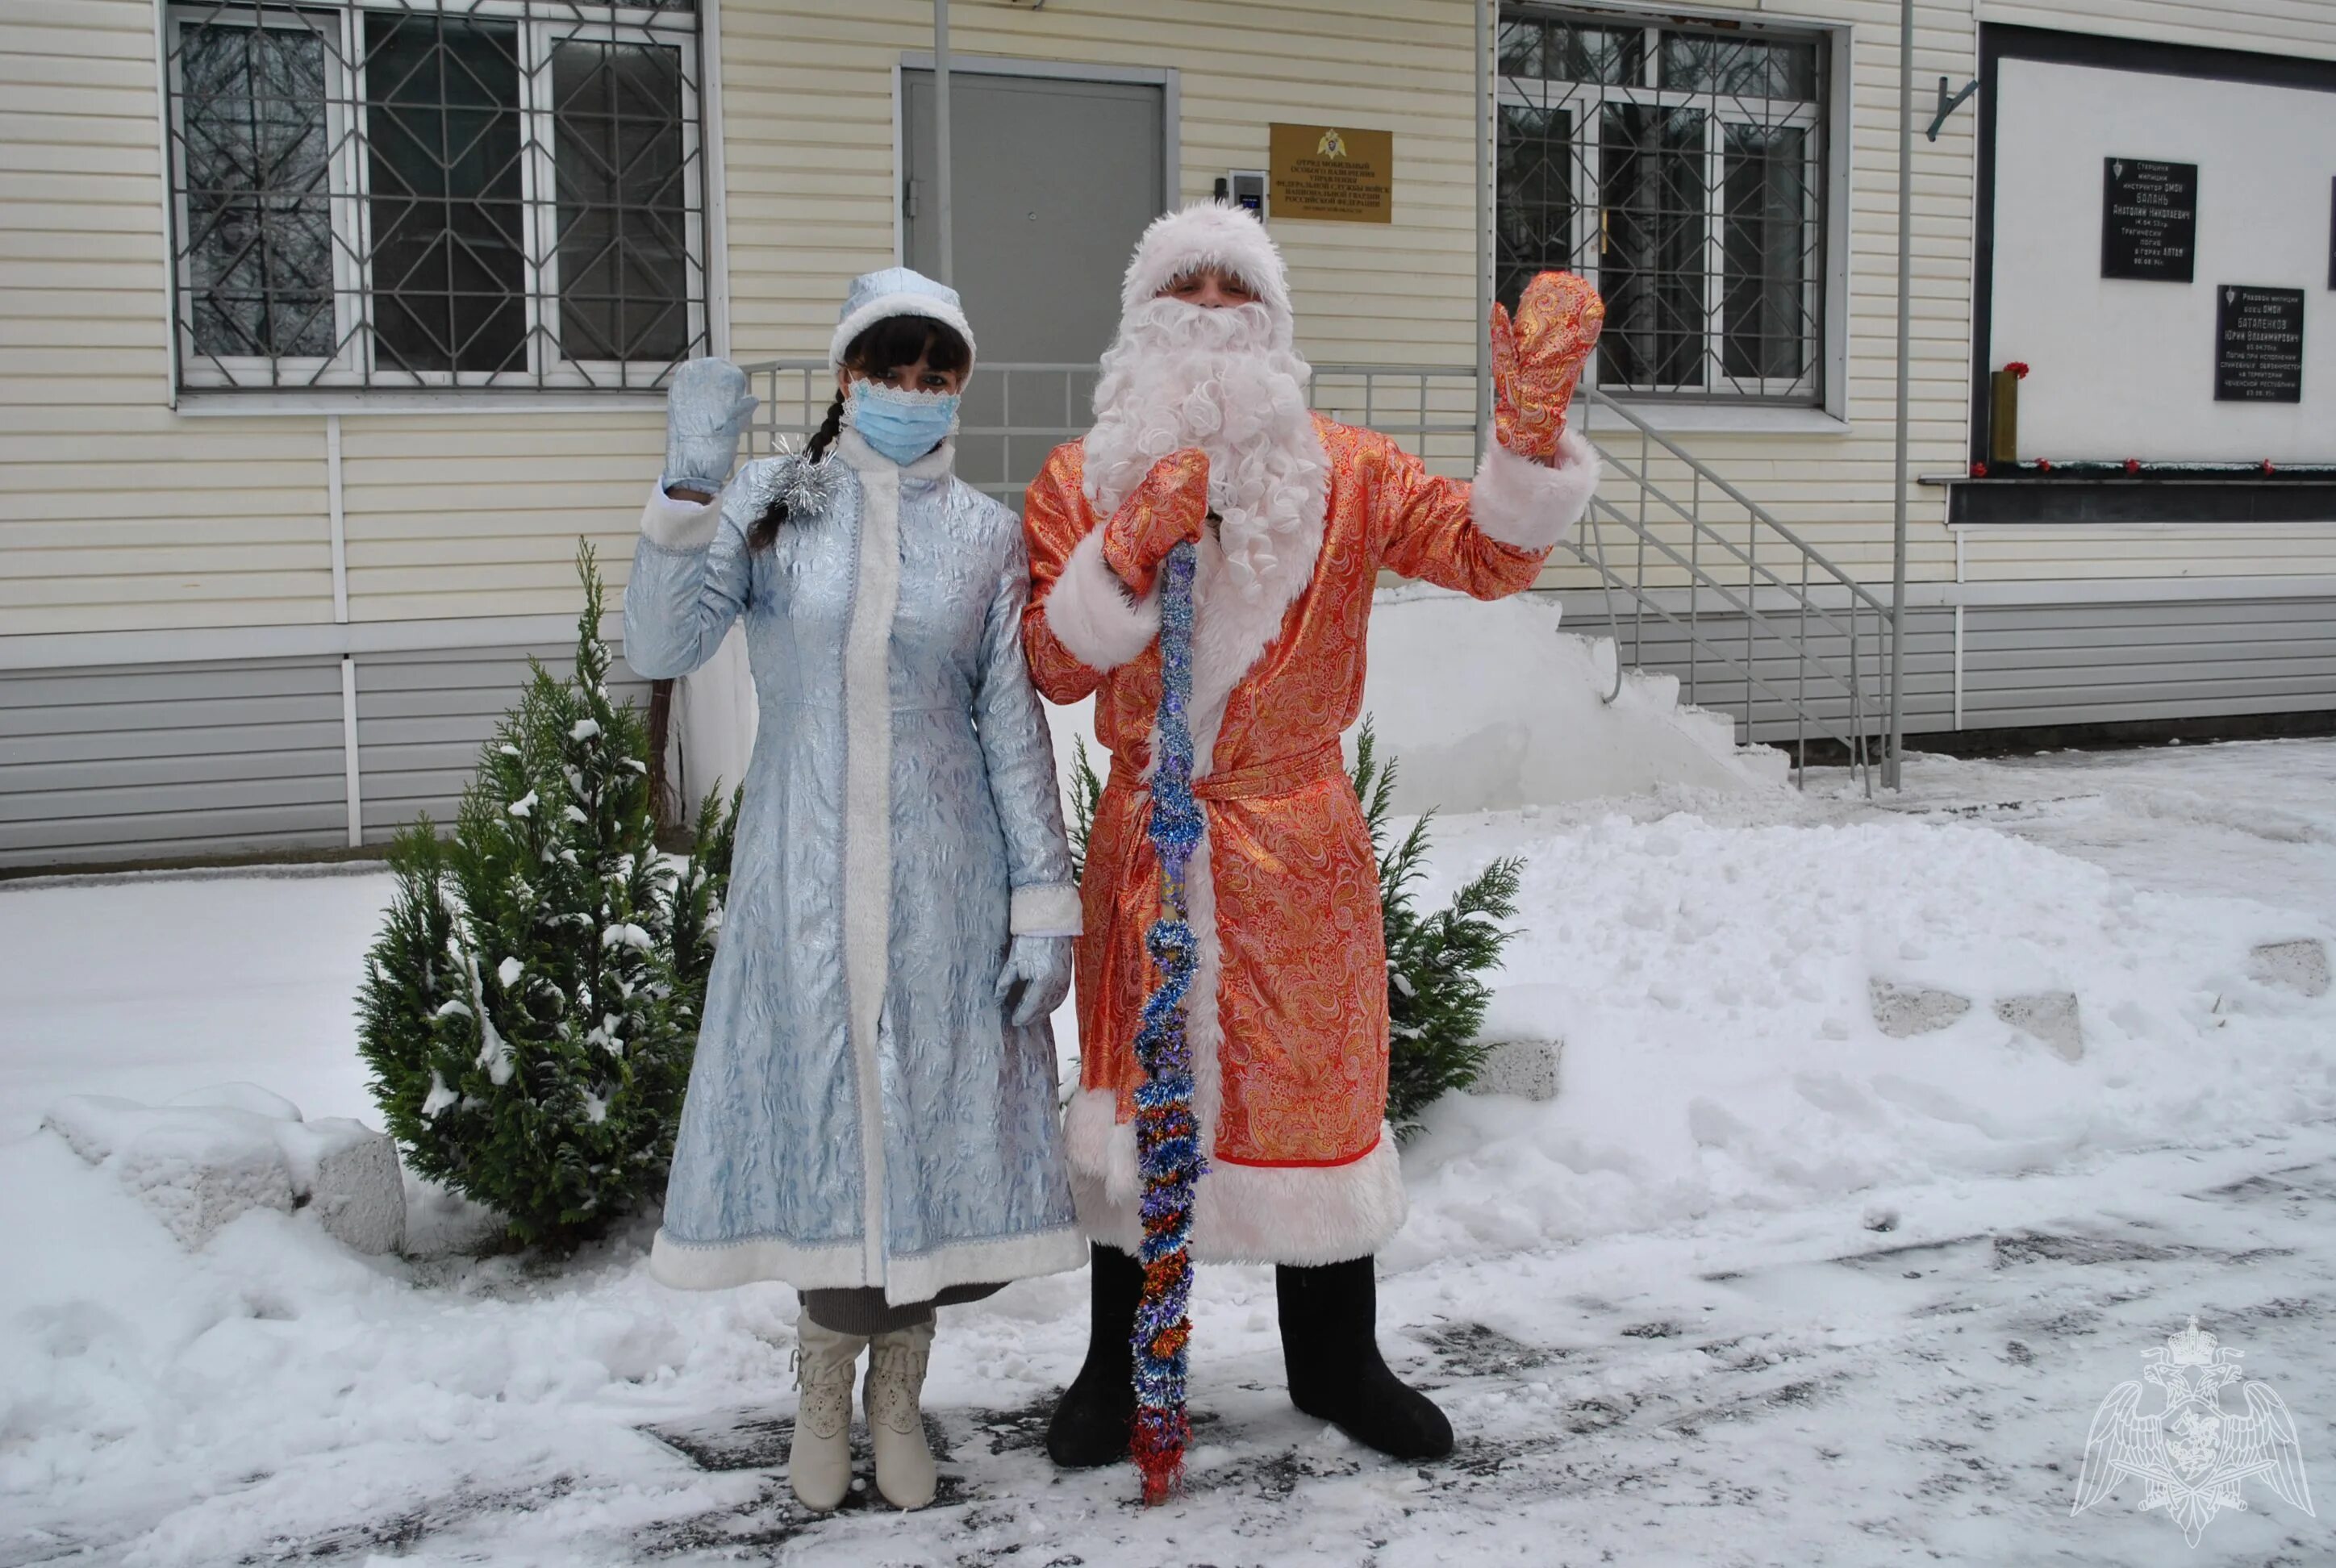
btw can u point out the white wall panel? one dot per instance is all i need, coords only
(2124, 367)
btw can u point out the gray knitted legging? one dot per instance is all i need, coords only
(861, 1309)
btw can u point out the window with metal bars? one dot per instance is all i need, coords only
(409, 194)
(1680, 170)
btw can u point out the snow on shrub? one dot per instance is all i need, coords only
(531, 1005)
(1435, 999)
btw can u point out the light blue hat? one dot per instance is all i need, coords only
(895, 291)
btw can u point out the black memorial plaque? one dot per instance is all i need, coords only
(2149, 220)
(2258, 344)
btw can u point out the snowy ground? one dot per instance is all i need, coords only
(1762, 1285)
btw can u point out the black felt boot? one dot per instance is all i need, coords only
(1097, 1414)
(1329, 1343)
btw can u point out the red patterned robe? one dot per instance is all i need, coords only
(1288, 1016)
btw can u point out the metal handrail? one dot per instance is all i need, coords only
(1648, 432)
(1803, 601)
(1431, 408)
(1851, 684)
(795, 394)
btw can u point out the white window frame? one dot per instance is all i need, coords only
(355, 366)
(1587, 100)
(344, 170)
(543, 217)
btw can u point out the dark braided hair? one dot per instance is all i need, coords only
(884, 348)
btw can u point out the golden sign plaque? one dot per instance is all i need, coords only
(1333, 173)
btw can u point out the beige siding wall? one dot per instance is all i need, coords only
(478, 514)
(809, 140)
(809, 135)
(109, 516)
(810, 148)
(117, 513)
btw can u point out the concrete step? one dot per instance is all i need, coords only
(1649, 689)
(1767, 763)
(1654, 691)
(1719, 727)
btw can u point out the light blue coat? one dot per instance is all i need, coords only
(861, 1112)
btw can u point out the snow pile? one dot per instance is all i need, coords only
(1720, 992)
(1516, 712)
(214, 1154)
(2251, 819)
(1490, 707)
(149, 986)
(205, 1405)
(1728, 1102)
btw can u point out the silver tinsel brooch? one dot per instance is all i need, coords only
(804, 488)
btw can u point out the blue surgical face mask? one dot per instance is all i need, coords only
(902, 425)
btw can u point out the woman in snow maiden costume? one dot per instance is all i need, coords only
(871, 1117)
(1203, 433)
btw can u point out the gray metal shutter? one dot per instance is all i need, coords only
(422, 718)
(148, 761)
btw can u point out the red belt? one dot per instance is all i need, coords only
(1277, 776)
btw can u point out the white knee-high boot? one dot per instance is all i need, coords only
(818, 1463)
(896, 1421)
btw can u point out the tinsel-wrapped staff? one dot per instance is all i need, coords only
(1167, 1141)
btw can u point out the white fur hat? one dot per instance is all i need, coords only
(895, 291)
(1209, 234)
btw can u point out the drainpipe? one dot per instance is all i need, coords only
(1894, 759)
(948, 256)
(1484, 223)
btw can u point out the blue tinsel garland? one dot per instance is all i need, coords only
(1167, 1138)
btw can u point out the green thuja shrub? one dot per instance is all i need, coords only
(1436, 996)
(1086, 790)
(531, 1007)
(1435, 993)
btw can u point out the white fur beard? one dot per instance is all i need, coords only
(1185, 375)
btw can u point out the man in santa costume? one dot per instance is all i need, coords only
(1203, 433)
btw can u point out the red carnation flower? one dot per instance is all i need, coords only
(2266, 465)
(2018, 368)
(2133, 465)
(1979, 470)
(2043, 465)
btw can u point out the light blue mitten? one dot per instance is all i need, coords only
(706, 411)
(1040, 968)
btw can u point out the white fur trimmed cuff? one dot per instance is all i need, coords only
(1044, 910)
(1090, 613)
(684, 526)
(1530, 507)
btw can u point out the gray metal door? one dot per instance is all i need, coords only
(1054, 182)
